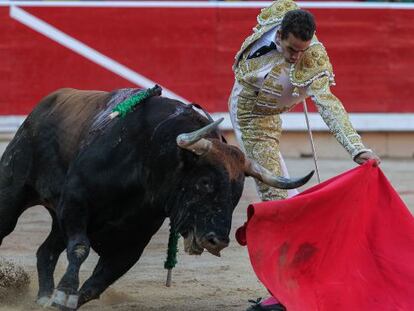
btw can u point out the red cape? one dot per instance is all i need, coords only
(345, 244)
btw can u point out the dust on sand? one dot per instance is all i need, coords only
(202, 283)
(14, 283)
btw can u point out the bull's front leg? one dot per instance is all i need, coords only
(107, 271)
(117, 258)
(66, 294)
(73, 216)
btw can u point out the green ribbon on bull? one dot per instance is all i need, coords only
(172, 251)
(128, 104)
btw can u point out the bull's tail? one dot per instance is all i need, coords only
(15, 167)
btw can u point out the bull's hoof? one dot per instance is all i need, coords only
(64, 301)
(44, 301)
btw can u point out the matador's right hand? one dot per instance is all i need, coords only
(365, 156)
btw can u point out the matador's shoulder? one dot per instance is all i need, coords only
(268, 18)
(275, 12)
(313, 64)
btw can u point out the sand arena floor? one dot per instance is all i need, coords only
(199, 282)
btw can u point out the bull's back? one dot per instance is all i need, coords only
(39, 153)
(62, 119)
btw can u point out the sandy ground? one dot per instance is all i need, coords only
(199, 282)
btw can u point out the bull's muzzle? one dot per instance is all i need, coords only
(214, 243)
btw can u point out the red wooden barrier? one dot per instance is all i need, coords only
(190, 50)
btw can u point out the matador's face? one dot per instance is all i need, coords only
(292, 47)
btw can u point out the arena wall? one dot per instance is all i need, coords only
(188, 48)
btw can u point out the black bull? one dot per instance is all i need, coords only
(110, 186)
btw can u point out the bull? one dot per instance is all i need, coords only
(109, 184)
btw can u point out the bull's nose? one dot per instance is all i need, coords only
(214, 243)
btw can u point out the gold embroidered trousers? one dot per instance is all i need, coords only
(259, 135)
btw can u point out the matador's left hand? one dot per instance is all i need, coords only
(366, 156)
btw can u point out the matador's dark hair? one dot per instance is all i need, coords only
(299, 23)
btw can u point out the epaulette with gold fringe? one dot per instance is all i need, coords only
(313, 64)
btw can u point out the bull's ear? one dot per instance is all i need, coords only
(259, 172)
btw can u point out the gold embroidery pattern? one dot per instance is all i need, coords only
(271, 84)
(270, 93)
(275, 88)
(263, 99)
(313, 64)
(261, 135)
(275, 12)
(335, 116)
(247, 44)
(247, 68)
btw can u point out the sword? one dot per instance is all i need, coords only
(315, 157)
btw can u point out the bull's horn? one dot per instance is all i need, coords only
(200, 147)
(259, 172)
(187, 139)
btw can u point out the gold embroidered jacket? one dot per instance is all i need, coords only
(284, 85)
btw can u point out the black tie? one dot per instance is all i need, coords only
(263, 50)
